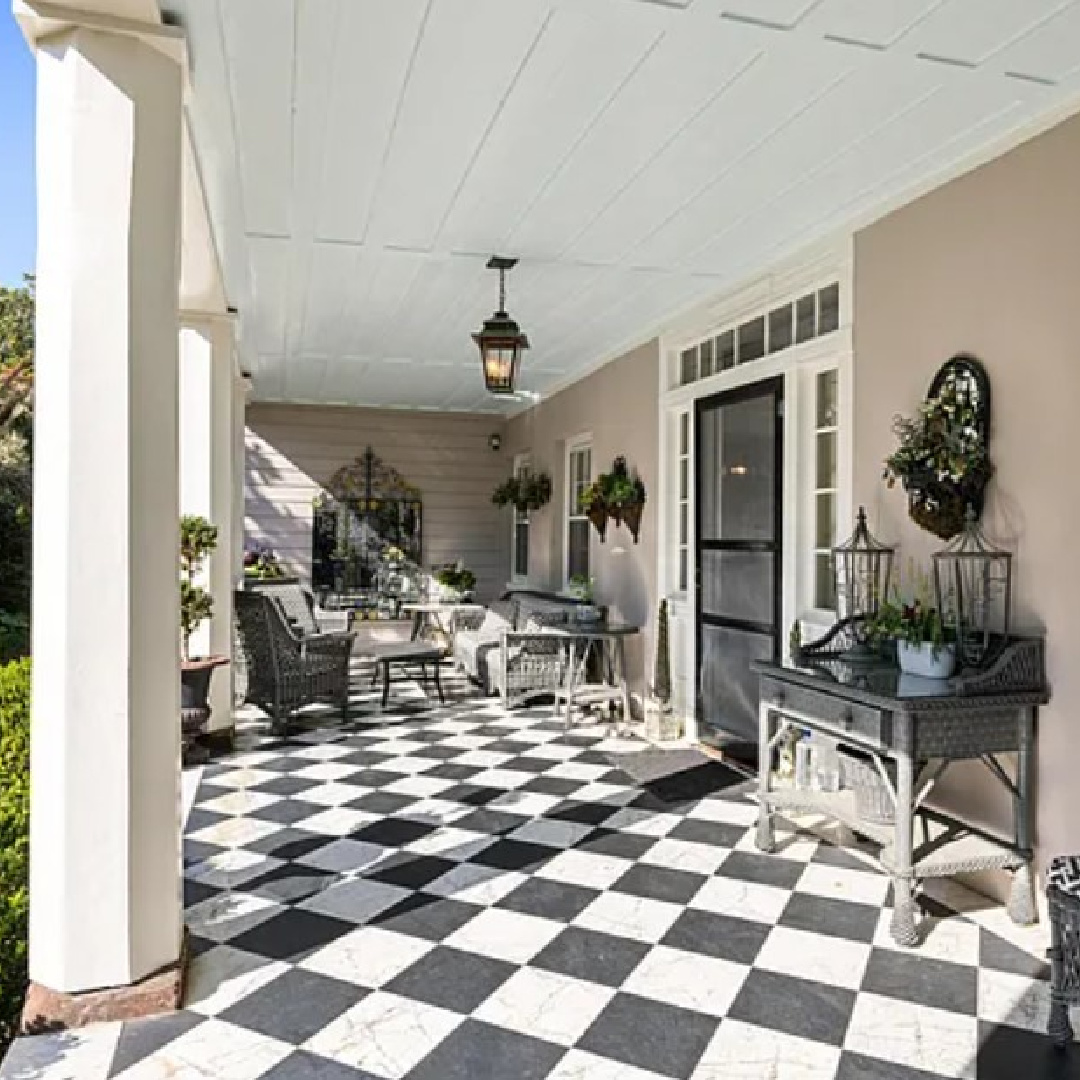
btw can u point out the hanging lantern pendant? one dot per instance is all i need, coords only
(501, 341)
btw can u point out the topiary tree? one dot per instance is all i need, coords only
(662, 672)
(14, 842)
(198, 539)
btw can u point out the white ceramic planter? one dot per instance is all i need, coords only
(921, 660)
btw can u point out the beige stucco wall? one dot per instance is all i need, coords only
(292, 449)
(990, 264)
(617, 406)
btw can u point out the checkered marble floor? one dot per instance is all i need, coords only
(463, 893)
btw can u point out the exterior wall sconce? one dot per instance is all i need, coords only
(495, 441)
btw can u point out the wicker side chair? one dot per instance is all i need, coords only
(287, 670)
(532, 662)
(299, 606)
(1063, 898)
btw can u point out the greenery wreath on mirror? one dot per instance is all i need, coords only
(942, 460)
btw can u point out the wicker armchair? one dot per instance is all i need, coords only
(299, 606)
(1063, 896)
(287, 670)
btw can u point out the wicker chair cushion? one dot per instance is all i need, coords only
(506, 608)
(545, 619)
(493, 625)
(1064, 875)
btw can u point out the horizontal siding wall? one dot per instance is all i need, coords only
(294, 449)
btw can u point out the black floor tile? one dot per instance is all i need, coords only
(479, 1051)
(827, 915)
(858, 1067)
(716, 833)
(289, 843)
(471, 794)
(381, 802)
(1008, 1053)
(300, 1065)
(591, 955)
(552, 785)
(294, 1006)
(286, 786)
(556, 900)
(141, 1038)
(195, 892)
(288, 811)
(291, 883)
(452, 979)
(507, 854)
(624, 845)
(810, 1010)
(650, 1035)
(995, 952)
(762, 869)
(425, 916)
(291, 935)
(719, 936)
(660, 883)
(920, 979)
(585, 813)
(409, 870)
(393, 832)
(492, 822)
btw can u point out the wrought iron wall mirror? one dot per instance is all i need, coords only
(943, 458)
(367, 531)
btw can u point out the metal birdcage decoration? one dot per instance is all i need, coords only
(863, 569)
(973, 587)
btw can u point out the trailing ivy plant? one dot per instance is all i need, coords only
(525, 491)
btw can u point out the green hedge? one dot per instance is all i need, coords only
(14, 840)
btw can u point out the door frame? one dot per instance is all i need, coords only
(773, 386)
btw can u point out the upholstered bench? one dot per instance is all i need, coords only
(1063, 896)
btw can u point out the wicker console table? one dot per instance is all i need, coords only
(912, 730)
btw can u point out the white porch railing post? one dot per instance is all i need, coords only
(206, 480)
(105, 906)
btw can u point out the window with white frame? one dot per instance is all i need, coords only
(826, 484)
(683, 515)
(578, 479)
(520, 538)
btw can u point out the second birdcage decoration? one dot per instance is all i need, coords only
(863, 569)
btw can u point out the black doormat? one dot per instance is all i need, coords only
(677, 776)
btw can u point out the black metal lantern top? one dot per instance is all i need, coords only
(863, 568)
(501, 341)
(973, 586)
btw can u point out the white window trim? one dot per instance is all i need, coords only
(521, 461)
(584, 441)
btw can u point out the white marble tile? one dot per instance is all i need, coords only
(505, 935)
(232, 867)
(240, 801)
(531, 803)
(336, 821)
(688, 980)
(332, 794)
(581, 1065)
(918, 1036)
(1004, 998)
(553, 832)
(642, 822)
(953, 938)
(368, 956)
(636, 917)
(409, 764)
(839, 883)
(236, 832)
(422, 787)
(601, 792)
(384, 1034)
(743, 899)
(585, 868)
(482, 759)
(468, 739)
(741, 1051)
(395, 747)
(246, 777)
(507, 779)
(726, 811)
(685, 855)
(223, 975)
(451, 843)
(213, 1049)
(577, 770)
(324, 772)
(545, 1005)
(222, 917)
(822, 958)
(476, 884)
(76, 1054)
(790, 844)
(324, 750)
(556, 752)
(435, 811)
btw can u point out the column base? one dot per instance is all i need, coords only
(54, 1010)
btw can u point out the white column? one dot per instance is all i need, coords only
(241, 394)
(206, 480)
(105, 906)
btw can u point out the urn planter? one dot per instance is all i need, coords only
(195, 710)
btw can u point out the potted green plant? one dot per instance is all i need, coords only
(198, 540)
(456, 581)
(924, 646)
(594, 501)
(661, 723)
(942, 461)
(525, 491)
(626, 497)
(262, 564)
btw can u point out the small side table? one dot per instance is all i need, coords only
(611, 638)
(407, 654)
(1063, 898)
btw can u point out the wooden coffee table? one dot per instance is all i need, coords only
(407, 654)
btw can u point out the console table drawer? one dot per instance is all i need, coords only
(843, 717)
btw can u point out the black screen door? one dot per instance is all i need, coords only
(738, 455)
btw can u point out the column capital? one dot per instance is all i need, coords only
(40, 19)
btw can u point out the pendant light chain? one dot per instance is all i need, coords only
(502, 290)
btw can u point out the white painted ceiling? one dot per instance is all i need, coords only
(363, 158)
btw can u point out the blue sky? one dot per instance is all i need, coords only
(18, 241)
